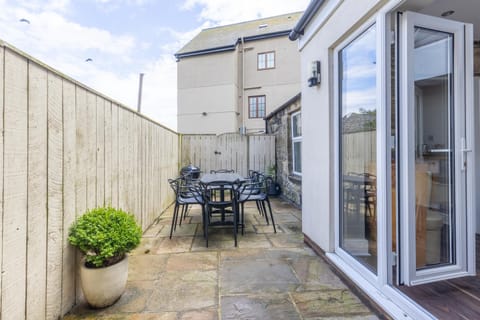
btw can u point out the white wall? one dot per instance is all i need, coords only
(477, 147)
(317, 117)
(279, 84)
(208, 83)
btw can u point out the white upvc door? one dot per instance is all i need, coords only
(436, 204)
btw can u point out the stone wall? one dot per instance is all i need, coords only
(279, 124)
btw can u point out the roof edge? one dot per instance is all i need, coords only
(305, 19)
(283, 106)
(205, 51)
(267, 35)
(232, 46)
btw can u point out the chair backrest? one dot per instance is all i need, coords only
(255, 187)
(220, 193)
(252, 174)
(195, 191)
(174, 184)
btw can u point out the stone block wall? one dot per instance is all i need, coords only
(279, 124)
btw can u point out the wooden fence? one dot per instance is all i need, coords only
(66, 148)
(229, 151)
(359, 152)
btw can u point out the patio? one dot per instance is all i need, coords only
(269, 276)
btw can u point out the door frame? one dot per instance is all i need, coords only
(464, 240)
(381, 288)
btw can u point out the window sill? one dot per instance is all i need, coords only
(295, 178)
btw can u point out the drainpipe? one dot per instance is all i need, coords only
(243, 130)
(307, 16)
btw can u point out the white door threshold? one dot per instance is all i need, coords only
(392, 301)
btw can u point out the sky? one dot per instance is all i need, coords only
(106, 44)
(359, 84)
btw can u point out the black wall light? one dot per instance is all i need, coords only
(314, 80)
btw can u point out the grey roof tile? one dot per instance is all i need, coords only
(227, 36)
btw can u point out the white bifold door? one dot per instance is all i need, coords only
(435, 72)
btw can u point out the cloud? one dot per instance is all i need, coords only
(354, 100)
(181, 38)
(159, 94)
(227, 11)
(42, 5)
(118, 3)
(118, 58)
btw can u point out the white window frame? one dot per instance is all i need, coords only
(371, 277)
(379, 288)
(463, 266)
(376, 286)
(295, 139)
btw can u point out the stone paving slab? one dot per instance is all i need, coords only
(329, 303)
(268, 276)
(265, 307)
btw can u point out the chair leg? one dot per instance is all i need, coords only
(183, 214)
(235, 225)
(203, 220)
(265, 211)
(259, 208)
(243, 218)
(271, 215)
(174, 218)
(205, 226)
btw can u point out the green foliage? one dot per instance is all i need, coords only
(272, 171)
(105, 235)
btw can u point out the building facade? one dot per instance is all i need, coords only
(285, 123)
(390, 128)
(231, 77)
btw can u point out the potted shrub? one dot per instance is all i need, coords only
(273, 188)
(105, 236)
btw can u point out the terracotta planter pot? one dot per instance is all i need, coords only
(102, 287)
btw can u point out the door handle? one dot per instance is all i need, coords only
(439, 150)
(464, 154)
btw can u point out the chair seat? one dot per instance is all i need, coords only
(251, 197)
(189, 200)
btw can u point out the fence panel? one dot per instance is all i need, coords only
(15, 215)
(261, 153)
(65, 149)
(37, 195)
(55, 196)
(360, 151)
(69, 196)
(229, 151)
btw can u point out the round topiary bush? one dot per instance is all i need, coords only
(105, 235)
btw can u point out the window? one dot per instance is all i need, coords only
(297, 142)
(357, 110)
(266, 60)
(256, 107)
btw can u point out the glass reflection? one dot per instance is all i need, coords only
(358, 109)
(434, 183)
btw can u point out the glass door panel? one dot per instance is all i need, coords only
(358, 132)
(434, 159)
(432, 230)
